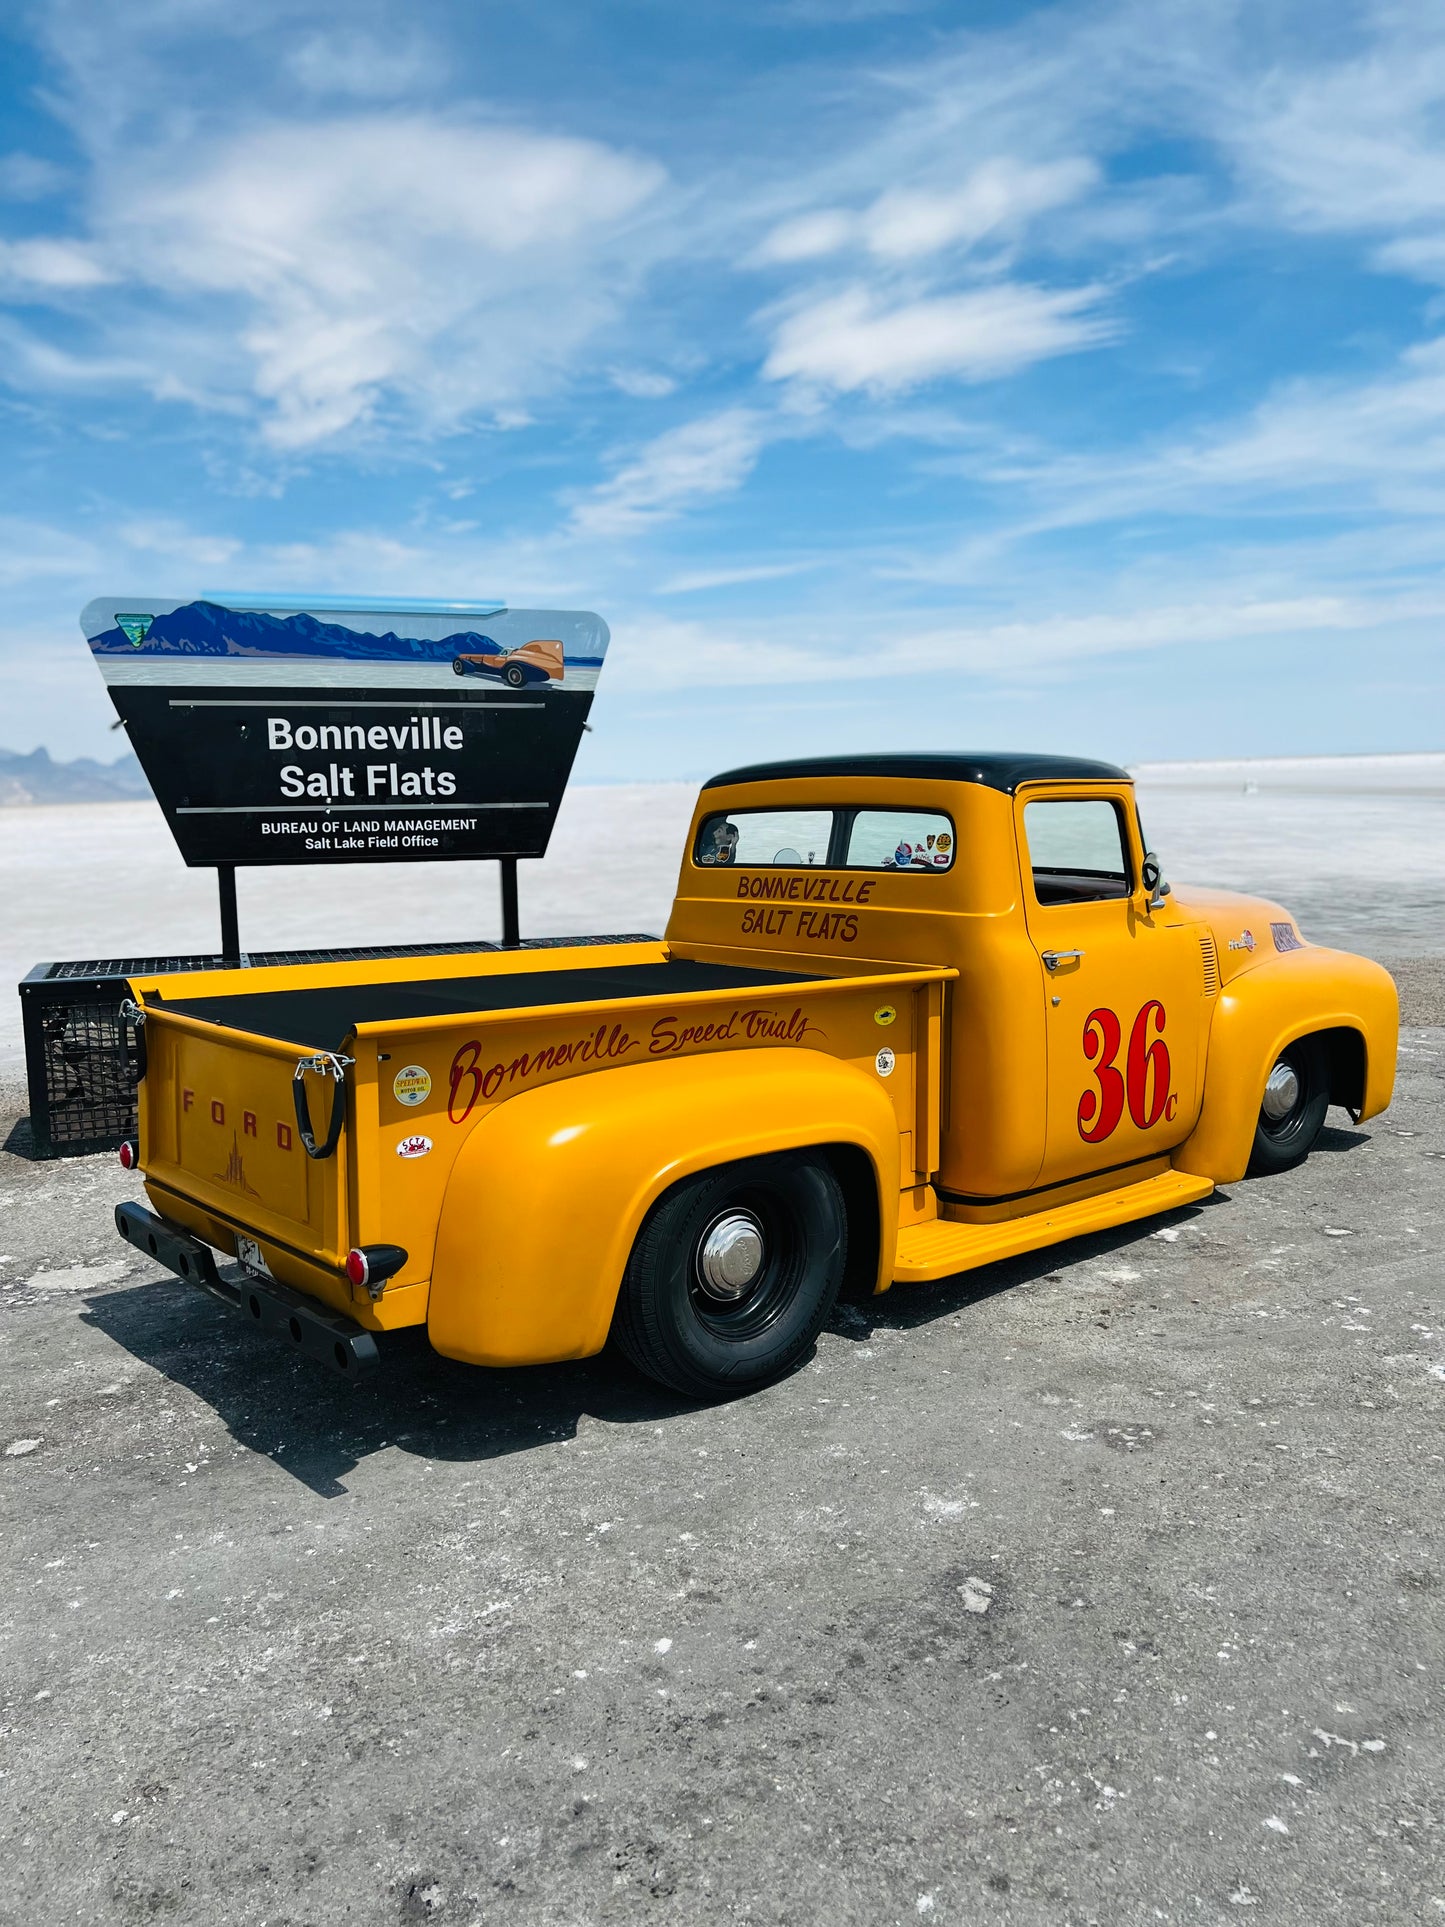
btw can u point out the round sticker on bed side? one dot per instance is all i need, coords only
(883, 1063)
(413, 1147)
(412, 1084)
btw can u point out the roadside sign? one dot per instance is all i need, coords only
(277, 731)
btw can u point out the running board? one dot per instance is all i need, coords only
(940, 1249)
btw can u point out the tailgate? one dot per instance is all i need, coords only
(219, 1128)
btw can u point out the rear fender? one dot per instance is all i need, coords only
(549, 1190)
(1272, 1004)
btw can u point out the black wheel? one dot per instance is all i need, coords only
(1296, 1097)
(459, 668)
(514, 675)
(733, 1274)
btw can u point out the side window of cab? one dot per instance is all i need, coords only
(1078, 850)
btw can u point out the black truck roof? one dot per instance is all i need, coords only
(995, 769)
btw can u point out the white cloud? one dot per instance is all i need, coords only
(695, 463)
(436, 267)
(661, 652)
(358, 65)
(449, 261)
(690, 582)
(170, 538)
(1350, 144)
(807, 237)
(904, 222)
(29, 359)
(1000, 195)
(1365, 449)
(643, 384)
(852, 341)
(26, 177)
(32, 551)
(51, 264)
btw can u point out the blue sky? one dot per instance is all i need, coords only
(1068, 376)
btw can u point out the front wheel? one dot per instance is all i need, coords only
(733, 1274)
(1292, 1115)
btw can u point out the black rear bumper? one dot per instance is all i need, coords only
(298, 1321)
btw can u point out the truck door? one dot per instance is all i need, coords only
(1122, 985)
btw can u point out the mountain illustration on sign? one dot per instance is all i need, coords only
(207, 629)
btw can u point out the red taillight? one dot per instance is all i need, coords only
(372, 1265)
(129, 1156)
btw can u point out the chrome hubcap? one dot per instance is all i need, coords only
(730, 1256)
(1281, 1091)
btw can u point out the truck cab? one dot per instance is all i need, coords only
(1087, 991)
(911, 1014)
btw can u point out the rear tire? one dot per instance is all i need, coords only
(687, 1314)
(1284, 1141)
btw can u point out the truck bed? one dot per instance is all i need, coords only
(322, 1019)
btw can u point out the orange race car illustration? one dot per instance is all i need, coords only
(530, 662)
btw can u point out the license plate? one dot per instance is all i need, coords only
(249, 1252)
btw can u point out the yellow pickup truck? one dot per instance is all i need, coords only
(912, 1014)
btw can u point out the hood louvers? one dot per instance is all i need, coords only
(1211, 965)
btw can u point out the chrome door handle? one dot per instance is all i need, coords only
(1053, 958)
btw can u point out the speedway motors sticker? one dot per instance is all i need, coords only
(412, 1085)
(273, 732)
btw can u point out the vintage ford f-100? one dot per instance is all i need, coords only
(911, 1014)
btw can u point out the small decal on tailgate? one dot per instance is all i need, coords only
(412, 1084)
(413, 1147)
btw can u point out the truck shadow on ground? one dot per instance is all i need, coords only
(906, 1307)
(318, 1428)
(1335, 1140)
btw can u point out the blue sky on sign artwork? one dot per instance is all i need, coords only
(886, 374)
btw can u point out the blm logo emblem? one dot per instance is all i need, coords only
(137, 628)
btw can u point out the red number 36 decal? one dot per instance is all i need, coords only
(1143, 1083)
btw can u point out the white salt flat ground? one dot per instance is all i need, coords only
(1354, 845)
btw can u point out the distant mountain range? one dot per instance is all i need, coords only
(36, 778)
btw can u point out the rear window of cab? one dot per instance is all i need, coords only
(839, 838)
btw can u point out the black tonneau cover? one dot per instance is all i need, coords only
(322, 1019)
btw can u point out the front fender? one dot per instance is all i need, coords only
(548, 1192)
(1268, 1006)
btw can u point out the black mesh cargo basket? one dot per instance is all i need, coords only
(81, 1054)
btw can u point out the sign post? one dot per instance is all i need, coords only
(230, 921)
(312, 731)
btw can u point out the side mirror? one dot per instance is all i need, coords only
(1152, 877)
